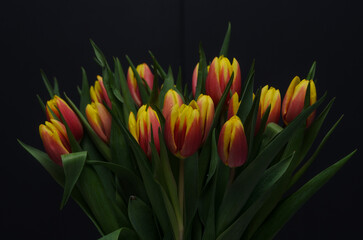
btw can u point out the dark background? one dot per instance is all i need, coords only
(284, 37)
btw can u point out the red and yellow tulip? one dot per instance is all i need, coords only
(218, 76)
(206, 108)
(269, 96)
(233, 106)
(171, 98)
(145, 73)
(100, 120)
(294, 100)
(98, 92)
(232, 143)
(140, 127)
(55, 140)
(182, 132)
(69, 116)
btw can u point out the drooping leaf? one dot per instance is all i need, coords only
(287, 208)
(72, 165)
(47, 83)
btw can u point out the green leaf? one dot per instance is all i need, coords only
(157, 66)
(154, 95)
(311, 74)
(56, 87)
(167, 85)
(246, 98)
(120, 77)
(85, 93)
(179, 81)
(72, 165)
(303, 169)
(142, 219)
(202, 72)
(57, 174)
(41, 103)
(214, 158)
(47, 83)
(142, 88)
(120, 234)
(100, 57)
(287, 208)
(238, 193)
(225, 45)
(130, 182)
(258, 197)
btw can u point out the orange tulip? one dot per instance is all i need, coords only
(98, 92)
(146, 74)
(69, 116)
(206, 108)
(232, 143)
(233, 106)
(182, 132)
(294, 100)
(140, 127)
(171, 98)
(100, 120)
(269, 96)
(55, 140)
(218, 76)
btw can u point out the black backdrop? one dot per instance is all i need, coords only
(283, 36)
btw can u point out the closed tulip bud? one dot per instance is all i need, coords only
(232, 143)
(145, 73)
(98, 92)
(141, 127)
(100, 120)
(195, 78)
(182, 131)
(206, 109)
(69, 116)
(269, 96)
(218, 76)
(233, 106)
(294, 100)
(171, 98)
(55, 140)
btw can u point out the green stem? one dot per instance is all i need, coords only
(232, 173)
(181, 198)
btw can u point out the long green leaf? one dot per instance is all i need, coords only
(57, 174)
(246, 98)
(142, 219)
(202, 72)
(311, 74)
(72, 165)
(225, 45)
(47, 84)
(85, 94)
(100, 57)
(157, 66)
(167, 85)
(142, 88)
(287, 208)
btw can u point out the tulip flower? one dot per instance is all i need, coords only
(206, 108)
(182, 131)
(294, 100)
(218, 76)
(146, 74)
(57, 106)
(233, 106)
(55, 140)
(269, 96)
(100, 120)
(98, 92)
(232, 143)
(195, 78)
(171, 98)
(147, 120)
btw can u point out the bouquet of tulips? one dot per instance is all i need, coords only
(146, 160)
